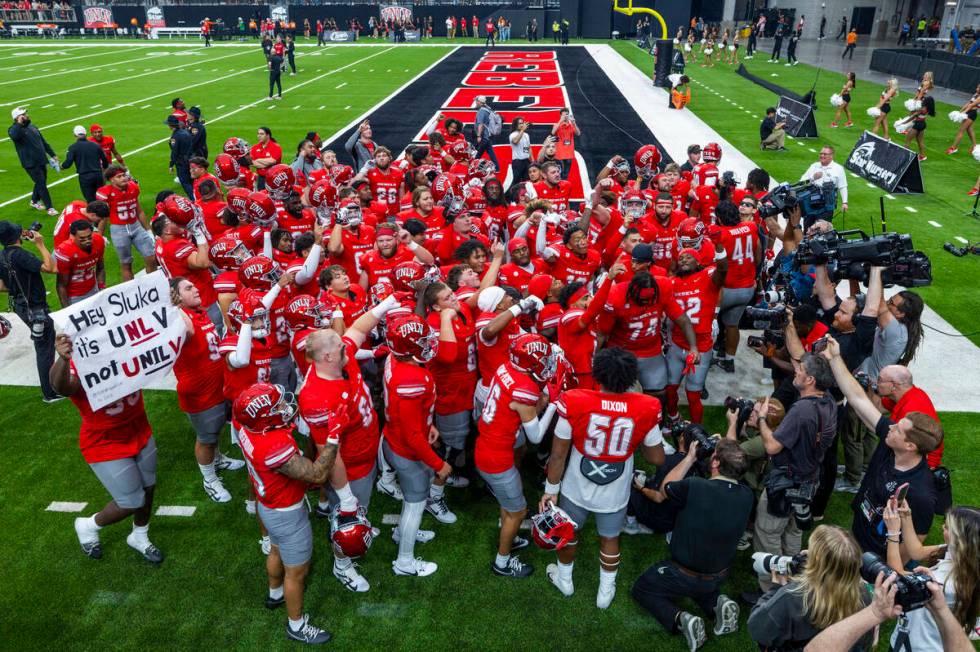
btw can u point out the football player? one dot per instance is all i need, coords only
(410, 395)
(574, 259)
(335, 398)
(696, 289)
(81, 264)
(379, 265)
(743, 244)
(553, 188)
(106, 142)
(127, 222)
(95, 212)
(337, 291)
(280, 475)
(496, 326)
(576, 329)
(522, 267)
(118, 445)
(200, 387)
(659, 229)
(508, 420)
(591, 463)
(386, 181)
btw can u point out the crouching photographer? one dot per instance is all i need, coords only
(812, 592)
(796, 449)
(712, 513)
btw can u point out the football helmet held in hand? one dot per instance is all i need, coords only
(263, 407)
(553, 529)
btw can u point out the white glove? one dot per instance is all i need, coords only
(383, 308)
(531, 304)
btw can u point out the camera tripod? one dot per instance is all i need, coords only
(973, 212)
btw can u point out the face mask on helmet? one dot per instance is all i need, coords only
(635, 208)
(351, 533)
(263, 326)
(553, 529)
(349, 215)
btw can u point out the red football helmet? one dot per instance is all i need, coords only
(351, 533)
(410, 274)
(476, 201)
(238, 201)
(481, 168)
(279, 181)
(349, 213)
(227, 170)
(447, 191)
(306, 312)
(690, 233)
(5, 327)
(461, 151)
(263, 407)
(647, 160)
(261, 210)
(246, 310)
(711, 153)
(380, 291)
(180, 210)
(533, 355)
(622, 167)
(236, 147)
(228, 252)
(323, 198)
(633, 203)
(341, 174)
(259, 273)
(410, 335)
(430, 171)
(553, 529)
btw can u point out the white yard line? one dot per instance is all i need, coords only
(65, 60)
(175, 510)
(65, 507)
(936, 224)
(963, 240)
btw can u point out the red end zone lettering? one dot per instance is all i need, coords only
(538, 98)
(534, 55)
(515, 66)
(527, 79)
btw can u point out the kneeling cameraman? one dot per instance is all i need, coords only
(712, 516)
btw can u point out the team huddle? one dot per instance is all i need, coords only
(368, 330)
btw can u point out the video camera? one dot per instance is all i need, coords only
(853, 257)
(813, 199)
(764, 563)
(912, 591)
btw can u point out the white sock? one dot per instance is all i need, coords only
(348, 503)
(234, 436)
(606, 578)
(207, 470)
(91, 524)
(323, 504)
(408, 528)
(296, 625)
(502, 560)
(565, 571)
(275, 594)
(436, 491)
(342, 563)
(140, 533)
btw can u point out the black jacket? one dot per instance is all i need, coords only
(86, 156)
(181, 147)
(199, 138)
(32, 150)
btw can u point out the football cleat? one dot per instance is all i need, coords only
(457, 481)
(224, 463)
(519, 543)
(351, 579)
(566, 588)
(515, 568)
(726, 616)
(216, 491)
(88, 540)
(265, 543)
(274, 603)
(309, 634)
(389, 486)
(419, 568)
(605, 596)
(633, 527)
(323, 512)
(149, 551)
(438, 508)
(693, 629)
(421, 536)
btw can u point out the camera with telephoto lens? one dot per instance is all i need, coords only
(912, 590)
(800, 497)
(742, 407)
(854, 256)
(864, 380)
(770, 340)
(695, 432)
(767, 318)
(813, 199)
(764, 563)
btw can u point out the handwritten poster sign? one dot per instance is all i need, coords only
(124, 338)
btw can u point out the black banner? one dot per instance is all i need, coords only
(891, 167)
(337, 36)
(410, 36)
(798, 118)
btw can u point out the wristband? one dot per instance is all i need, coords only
(333, 441)
(412, 245)
(552, 489)
(721, 255)
(515, 310)
(611, 164)
(337, 314)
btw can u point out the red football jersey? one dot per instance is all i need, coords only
(608, 427)
(112, 432)
(257, 370)
(662, 237)
(697, 297)
(199, 369)
(278, 341)
(410, 396)
(499, 422)
(740, 242)
(548, 317)
(69, 214)
(491, 354)
(559, 195)
(569, 266)
(356, 243)
(681, 192)
(705, 201)
(634, 327)
(455, 376)
(107, 143)
(264, 453)
(79, 265)
(322, 400)
(226, 282)
(353, 305)
(520, 277)
(579, 345)
(379, 268)
(123, 204)
(297, 348)
(173, 256)
(212, 211)
(385, 186)
(297, 225)
(196, 185)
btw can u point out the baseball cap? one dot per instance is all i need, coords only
(95, 127)
(642, 253)
(195, 111)
(693, 148)
(516, 243)
(79, 130)
(9, 232)
(172, 121)
(540, 285)
(19, 111)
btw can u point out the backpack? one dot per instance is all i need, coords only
(495, 124)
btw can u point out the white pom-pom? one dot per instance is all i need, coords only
(903, 125)
(874, 112)
(976, 153)
(957, 116)
(675, 79)
(708, 51)
(913, 105)
(677, 41)
(836, 100)
(731, 48)
(687, 47)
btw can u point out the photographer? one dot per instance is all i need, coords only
(20, 276)
(852, 321)
(826, 169)
(828, 590)
(899, 331)
(748, 438)
(956, 572)
(520, 150)
(771, 132)
(713, 514)
(797, 448)
(648, 511)
(899, 459)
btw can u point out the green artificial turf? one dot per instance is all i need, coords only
(208, 593)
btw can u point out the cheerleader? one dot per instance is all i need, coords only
(691, 47)
(709, 49)
(733, 49)
(966, 126)
(883, 107)
(845, 94)
(918, 127)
